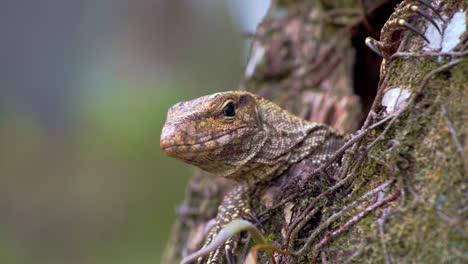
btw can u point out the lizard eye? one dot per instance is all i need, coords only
(229, 110)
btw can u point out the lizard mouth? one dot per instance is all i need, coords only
(169, 147)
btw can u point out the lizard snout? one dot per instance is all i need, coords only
(175, 139)
(170, 138)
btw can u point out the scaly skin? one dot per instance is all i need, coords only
(245, 138)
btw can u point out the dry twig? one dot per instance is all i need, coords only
(333, 217)
(353, 220)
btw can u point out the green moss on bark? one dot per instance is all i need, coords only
(427, 224)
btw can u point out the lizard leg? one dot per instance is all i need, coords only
(234, 206)
(213, 250)
(398, 22)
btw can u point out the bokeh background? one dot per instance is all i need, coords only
(85, 86)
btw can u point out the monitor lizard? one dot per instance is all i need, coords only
(247, 139)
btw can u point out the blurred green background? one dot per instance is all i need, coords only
(85, 86)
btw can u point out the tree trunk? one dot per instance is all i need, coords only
(400, 194)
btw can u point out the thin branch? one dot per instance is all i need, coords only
(333, 217)
(381, 223)
(438, 70)
(352, 221)
(452, 131)
(381, 136)
(429, 54)
(315, 201)
(353, 256)
(300, 225)
(452, 224)
(380, 88)
(350, 142)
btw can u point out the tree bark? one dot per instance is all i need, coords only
(400, 194)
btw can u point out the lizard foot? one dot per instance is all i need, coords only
(398, 22)
(231, 219)
(223, 240)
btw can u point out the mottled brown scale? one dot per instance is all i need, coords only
(259, 142)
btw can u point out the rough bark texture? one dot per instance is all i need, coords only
(400, 196)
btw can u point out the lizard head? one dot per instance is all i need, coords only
(217, 133)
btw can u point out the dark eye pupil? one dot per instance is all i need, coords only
(229, 110)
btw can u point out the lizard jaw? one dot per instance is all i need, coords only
(171, 144)
(171, 141)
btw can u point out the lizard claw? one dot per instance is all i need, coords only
(428, 5)
(407, 25)
(229, 257)
(418, 10)
(398, 22)
(256, 220)
(370, 42)
(224, 236)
